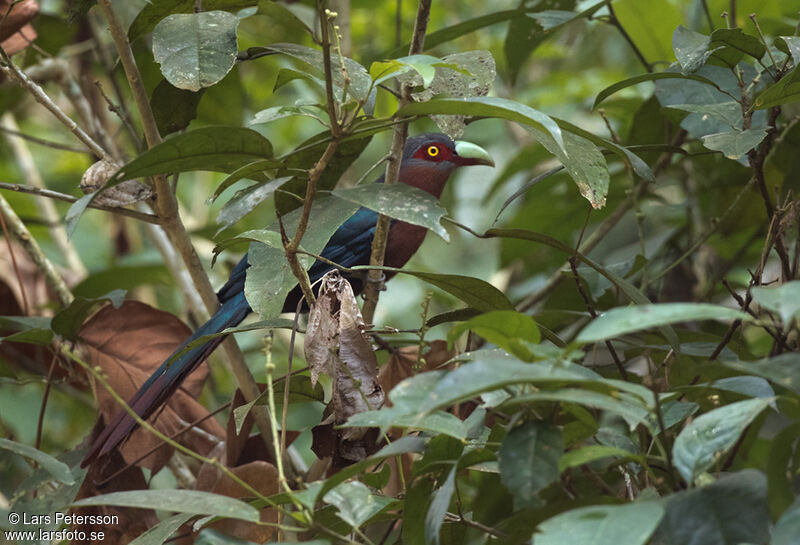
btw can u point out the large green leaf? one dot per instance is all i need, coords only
(710, 435)
(734, 143)
(529, 461)
(475, 292)
(153, 12)
(438, 508)
(399, 201)
(173, 108)
(489, 107)
(355, 502)
(270, 278)
(59, 470)
(177, 501)
(635, 80)
(623, 320)
(508, 329)
(783, 370)
(162, 531)
(630, 524)
(691, 48)
(196, 50)
(650, 26)
(729, 511)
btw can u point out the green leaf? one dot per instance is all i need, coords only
(196, 50)
(529, 461)
(630, 524)
(395, 448)
(691, 48)
(737, 39)
(415, 510)
(585, 164)
(788, 526)
(786, 91)
(69, 321)
(731, 510)
(59, 470)
(780, 477)
(437, 422)
(355, 502)
(262, 171)
(360, 82)
(783, 370)
(399, 201)
(438, 508)
(27, 329)
(635, 80)
(507, 329)
(789, 45)
(735, 143)
(489, 107)
(710, 435)
(474, 292)
(592, 453)
(269, 278)
(153, 12)
(784, 299)
(281, 112)
(218, 149)
(177, 501)
(623, 320)
(161, 532)
(246, 200)
(174, 108)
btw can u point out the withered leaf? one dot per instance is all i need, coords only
(128, 344)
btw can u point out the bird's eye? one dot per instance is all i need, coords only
(433, 151)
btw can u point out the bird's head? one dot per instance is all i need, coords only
(430, 159)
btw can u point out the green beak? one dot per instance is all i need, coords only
(471, 154)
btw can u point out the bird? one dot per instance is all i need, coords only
(427, 163)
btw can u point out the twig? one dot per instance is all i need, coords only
(50, 194)
(51, 275)
(372, 285)
(43, 142)
(45, 397)
(639, 55)
(574, 266)
(8, 68)
(27, 165)
(25, 307)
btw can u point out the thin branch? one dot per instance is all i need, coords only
(378, 253)
(639, 55)
(30, 172)
(50, 194)
(8, 68)
(51, 275)
(43, 142)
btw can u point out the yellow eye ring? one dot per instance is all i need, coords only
(433, 151)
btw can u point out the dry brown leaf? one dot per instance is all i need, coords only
(402, 364)
(132, 522)
(260, 475)
(19, 16)
(128, 344)
(335, 344)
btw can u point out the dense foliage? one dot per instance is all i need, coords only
(598, 343)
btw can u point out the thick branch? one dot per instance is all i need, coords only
(167, 210)
(371, 289)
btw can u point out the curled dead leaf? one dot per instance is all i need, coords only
(128, 344)
(335, 344)
(122, 194)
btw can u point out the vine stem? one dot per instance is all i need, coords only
(378, 253)
(167, 210)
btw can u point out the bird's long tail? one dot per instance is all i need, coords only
(168, 378)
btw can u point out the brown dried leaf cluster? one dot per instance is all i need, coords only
(335, 344)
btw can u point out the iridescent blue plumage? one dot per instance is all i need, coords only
(428, 161)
